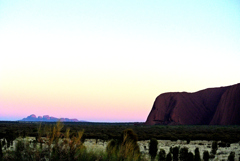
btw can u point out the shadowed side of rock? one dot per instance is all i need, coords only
(200, 108)
(228, 110)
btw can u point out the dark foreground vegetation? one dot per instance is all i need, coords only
(58, 146)
(58, 142)
(108, 131)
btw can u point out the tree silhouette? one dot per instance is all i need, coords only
(205, 155)
(169, 156)
(190, 156)
(153, 148)
(175, 153)
(197, 155)
(162, 155)
(231, 156)
(1, 153)
(214, 147)
(183, 154)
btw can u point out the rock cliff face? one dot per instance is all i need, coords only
(212, 106)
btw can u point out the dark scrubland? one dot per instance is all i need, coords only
(58, 141)
(108, 131)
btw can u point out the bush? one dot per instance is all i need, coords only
(188, 140)
(169, 156)
(1, 153)
(183, 154)
(231, 156)
(214, 147)
(124, 149)
(113, 147)
(197, 155)
(19, 150)
(162, 155)
(129, 147)
(153, 148)
(55, 147)
(205, 155)
(11, 135)
(213, 151)
(190, 156)
(61, 147)
(175, 152)
(211, 156)
(222, 144)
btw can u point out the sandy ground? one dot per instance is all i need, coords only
(222, 152)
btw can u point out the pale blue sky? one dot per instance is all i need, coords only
(123, 51)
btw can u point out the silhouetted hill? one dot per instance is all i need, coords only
(47, 118)
(213, 106)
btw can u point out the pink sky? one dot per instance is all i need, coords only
(108, 60)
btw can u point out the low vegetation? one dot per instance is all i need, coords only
(153, 148)
(125, 148)
(58, 146)
(58, 142)
(108, 131)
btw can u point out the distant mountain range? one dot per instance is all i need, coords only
(47, 118)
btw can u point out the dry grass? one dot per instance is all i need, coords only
(57, 146)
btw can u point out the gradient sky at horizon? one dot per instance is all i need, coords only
(108, 60)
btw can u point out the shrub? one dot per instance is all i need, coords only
(162, 155)
(222, 144)
(214, 147)
(183, 154)
(213, 151)
(153, 148)
(211, 156)
(231, 156)
(11, 135)
(197, 155)
(19, 150)
(129, 146)
(188, 140)
(205, 155)
(190, 156)
(124, 149)
(169, 156)
(1, 153)
(113, 147)
(57, 147)
(175, 153)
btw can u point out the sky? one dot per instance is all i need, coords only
(107, 61)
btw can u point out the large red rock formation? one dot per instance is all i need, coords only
(212, 106)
